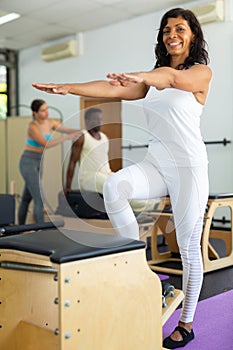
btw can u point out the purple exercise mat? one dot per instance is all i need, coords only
(162, 277)
(213, 324)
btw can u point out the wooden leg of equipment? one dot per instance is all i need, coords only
(111, 301)
(211, 259)
(164, 225)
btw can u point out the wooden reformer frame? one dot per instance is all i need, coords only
(211, 259)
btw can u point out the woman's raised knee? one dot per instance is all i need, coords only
(116, 187)
(109, 187)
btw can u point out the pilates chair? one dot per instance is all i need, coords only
(169, 261)
(69, 290)
(7, 209)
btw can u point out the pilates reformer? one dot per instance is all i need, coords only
(86, 208)
(68, 290)
(16, 229)
(169, 261)
(7, 219)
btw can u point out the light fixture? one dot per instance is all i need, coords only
(8, 17)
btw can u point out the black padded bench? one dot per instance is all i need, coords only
(63, 246)
(220, 195)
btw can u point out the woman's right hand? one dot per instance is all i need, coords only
(74, 135)
(124, 79)
(59, 89)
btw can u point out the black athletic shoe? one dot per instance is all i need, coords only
(172, 344)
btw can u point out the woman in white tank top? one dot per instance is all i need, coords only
(174, 94)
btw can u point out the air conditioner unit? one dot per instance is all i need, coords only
(60, 51)
(209, 12)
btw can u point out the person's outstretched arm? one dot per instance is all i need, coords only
(57, 126)
(195, 79)
(132, 86)
(35, 134)
(99, 89)
(74, 158)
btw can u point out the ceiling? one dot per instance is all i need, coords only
(47, 20)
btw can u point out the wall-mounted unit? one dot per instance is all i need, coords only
(60, 51)
(210, 12)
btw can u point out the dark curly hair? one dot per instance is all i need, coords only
(198, 53)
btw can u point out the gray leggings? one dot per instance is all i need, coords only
(30, 167)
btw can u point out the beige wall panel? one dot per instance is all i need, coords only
(16, 135)
(52, 169)
(2, 156)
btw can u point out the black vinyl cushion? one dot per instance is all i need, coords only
(217, 195)
(220, 195)
(82, 204)
(66, 245)
(14, 229)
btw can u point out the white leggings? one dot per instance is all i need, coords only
(188, 190)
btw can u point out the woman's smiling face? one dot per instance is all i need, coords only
(177, 37)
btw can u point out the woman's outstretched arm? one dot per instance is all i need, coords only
(99, 89)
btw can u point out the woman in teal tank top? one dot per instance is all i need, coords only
(39, 137)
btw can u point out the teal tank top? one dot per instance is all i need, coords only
(34, 143)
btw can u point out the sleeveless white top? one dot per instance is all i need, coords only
(94, 156)
(173, 118)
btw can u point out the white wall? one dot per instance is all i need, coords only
(217, 121)
(129, 46)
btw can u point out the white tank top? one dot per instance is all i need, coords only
(173, 118)
(94, 156)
